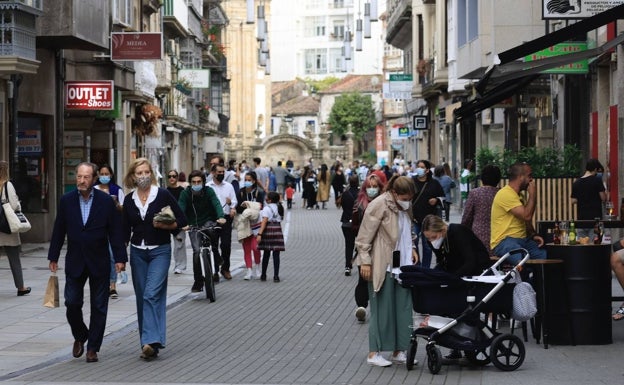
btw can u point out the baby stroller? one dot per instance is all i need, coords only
(453, 325)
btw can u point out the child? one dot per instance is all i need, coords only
(270, 237)
(290, 192)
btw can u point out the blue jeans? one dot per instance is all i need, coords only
(425, 257)
(149, 278)
(509, 243)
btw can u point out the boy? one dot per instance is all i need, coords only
(290, 192)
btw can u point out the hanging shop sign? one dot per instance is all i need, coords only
(578, 9)
(578, 67)
(136, 46)
(89, 95)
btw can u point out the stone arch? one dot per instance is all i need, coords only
(285, 147)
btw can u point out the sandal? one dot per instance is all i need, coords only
(619, 315)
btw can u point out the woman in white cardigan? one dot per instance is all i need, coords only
(11, 242)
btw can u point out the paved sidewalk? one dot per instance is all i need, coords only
(299, 331)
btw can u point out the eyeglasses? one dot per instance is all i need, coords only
(172, 176)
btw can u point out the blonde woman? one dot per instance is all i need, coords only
(150, 251)
(11, 242)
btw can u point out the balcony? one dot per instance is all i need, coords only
(175, 17)
(18, 48)
(399, 30)
(431, 79)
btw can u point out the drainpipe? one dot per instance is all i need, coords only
(59, 122)
(13, 96)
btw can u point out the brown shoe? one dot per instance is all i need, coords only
(92, 356)
(78, 348)
(226, 274)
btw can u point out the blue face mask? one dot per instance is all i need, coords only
(420, 172)
(599, 175)
(197, 187)
(247, 183)
(104, 179)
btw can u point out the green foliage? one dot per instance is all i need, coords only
(355, 109)
(545, 162)
(320, 85)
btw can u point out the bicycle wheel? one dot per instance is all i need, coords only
(208, 279)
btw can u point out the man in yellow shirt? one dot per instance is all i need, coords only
(511, 226)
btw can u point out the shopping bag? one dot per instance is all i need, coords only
(17, 221)
(4, 223)
(51, 297)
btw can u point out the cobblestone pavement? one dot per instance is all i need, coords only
(301, 330)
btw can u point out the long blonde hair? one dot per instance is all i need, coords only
(4, 171)
(129, 181)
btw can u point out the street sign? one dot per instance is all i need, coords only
(399, 95)
(401, 83)
(419, 122)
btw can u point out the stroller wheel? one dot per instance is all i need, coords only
(434, 359)
(477, 357)
(507, 352)
(411, 354)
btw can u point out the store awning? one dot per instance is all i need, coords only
(503, 80)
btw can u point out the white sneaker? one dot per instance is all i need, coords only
(177, 271)
(256, 270)
(248, 275)
(400, 358)
(360, 314)
(378, 360)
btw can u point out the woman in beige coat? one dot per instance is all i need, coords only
(384, 244)
(324, 183)
(11, 242)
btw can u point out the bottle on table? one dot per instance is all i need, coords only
(557, 234)
(597, 231)
(572, 234)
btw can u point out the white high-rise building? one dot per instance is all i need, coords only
(307, 38)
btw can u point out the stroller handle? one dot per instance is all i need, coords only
(523, 252)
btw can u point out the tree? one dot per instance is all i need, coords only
(355, 109)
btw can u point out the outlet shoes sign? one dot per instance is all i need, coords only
(89, 95)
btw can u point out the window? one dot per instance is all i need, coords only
(315, 61)
(315, 26)
(467, 21)
(122, 12)
(339, 29)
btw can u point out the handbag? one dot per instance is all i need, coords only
(524, 302)
(17, 221)
(51, 297)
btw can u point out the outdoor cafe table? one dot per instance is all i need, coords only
(580, 310)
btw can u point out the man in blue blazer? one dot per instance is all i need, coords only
(90, 221)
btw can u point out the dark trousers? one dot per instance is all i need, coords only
(276, 262)
(447, 210)
(224, 239)
(289, 203)
(361, 291)
(349, 238)
(74, 299)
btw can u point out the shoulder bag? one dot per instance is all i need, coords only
(17, 221)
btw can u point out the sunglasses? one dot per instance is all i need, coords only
(172, 176)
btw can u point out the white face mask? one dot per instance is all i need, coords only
(404, 204)
(372, 192)
(437, 243)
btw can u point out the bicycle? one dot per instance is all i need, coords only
(206, 257)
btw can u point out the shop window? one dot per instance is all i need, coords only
(31, 176)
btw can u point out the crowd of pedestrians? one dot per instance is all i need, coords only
(391, 216)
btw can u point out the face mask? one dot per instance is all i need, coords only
(599, 175)
(437, 243)
(247, 184)
(220, 177)
(143, 182)
(104, 179)
(372, 192)
(420, 172)
(404, 204)
(196, 187)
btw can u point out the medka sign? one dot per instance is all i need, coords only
(89, 95)
(136, 46)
